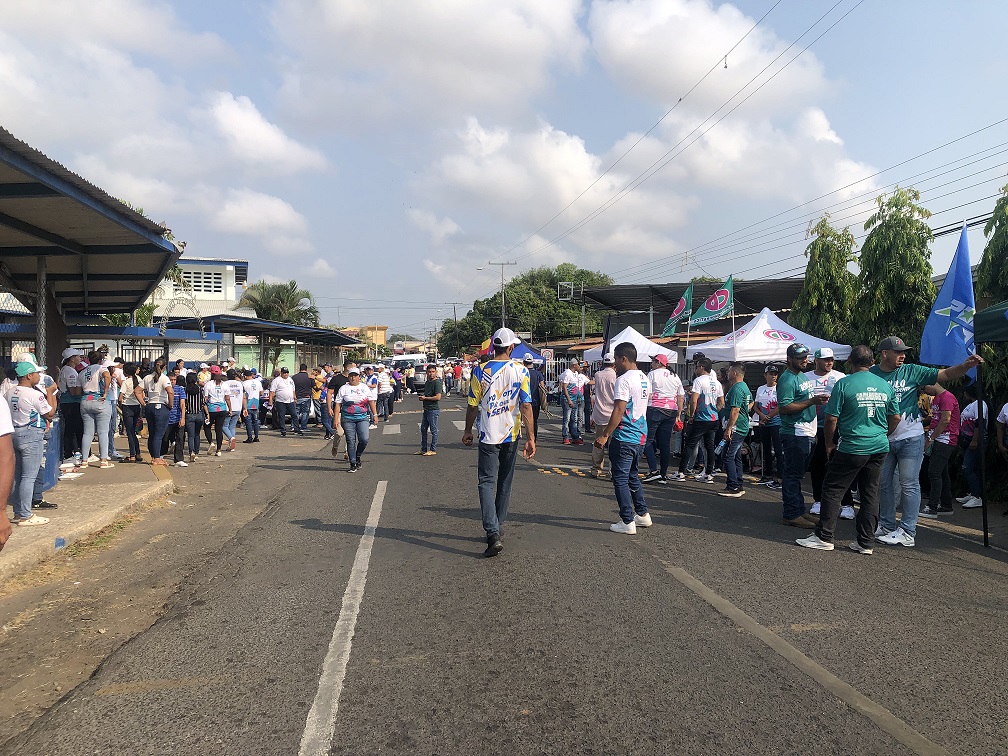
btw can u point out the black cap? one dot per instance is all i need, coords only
(797, 350)
(698, 356)
(771, 369)
(284, 370)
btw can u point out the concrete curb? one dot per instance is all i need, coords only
(39, 552)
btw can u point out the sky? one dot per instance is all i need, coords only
(380, 151)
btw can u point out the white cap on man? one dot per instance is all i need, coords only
(505, 337)
(71, 352)
(825, 353)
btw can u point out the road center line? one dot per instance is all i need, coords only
(877, 713)
(321, 723)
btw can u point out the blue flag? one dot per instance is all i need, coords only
(948, 332)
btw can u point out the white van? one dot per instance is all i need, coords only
(417, 361)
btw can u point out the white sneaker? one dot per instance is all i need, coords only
(708, 479)
(643, 521)
(898, 537)
(815, 542)
(881, 531)
(847, 512)
(624, 527)
(855, 546)
(964, 499)
(816, 508)
(372, 426)
(181, 464)
(700, 476)
(973, 503)
(678, 477)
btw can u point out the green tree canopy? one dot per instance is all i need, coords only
(895, 288)
(283, 303)
(823, 307)
(992, 282)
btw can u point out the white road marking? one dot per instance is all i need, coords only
(321, 723)
(391, 430)
(459, 424)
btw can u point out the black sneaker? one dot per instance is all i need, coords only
(494, 546)
(255, 440)
(651, 477)
(945, 510)
(764, 481)
(927, 513)
(354, 468)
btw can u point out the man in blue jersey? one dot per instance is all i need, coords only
(626, 434)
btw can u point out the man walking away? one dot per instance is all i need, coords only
(863, 405)
(706, 400)
(797, 400)
(626, 432)
(499, 394)
(738, 401)
(337, 382)
(906, 445)
(303, 386)
(824, 378)
(430, 401)
(602, 408)
(537, 390)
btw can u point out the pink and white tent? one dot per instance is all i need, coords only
(765, 338)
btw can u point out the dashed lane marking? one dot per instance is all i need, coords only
(321, 724)
(391, 430)
(459, 424)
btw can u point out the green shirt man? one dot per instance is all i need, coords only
(862, 403)
(739, 396)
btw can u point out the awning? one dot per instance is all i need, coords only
(26, 332)
(991, 324)
(750, 296)
(244, 326)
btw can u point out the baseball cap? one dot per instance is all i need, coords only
(108, 363)
(215, 370)
(771, 369)
(353, 371)
(27, 366)
(71, 352)
(661, 359)
(797, 350)
(609, 359)
(254, 371)
(282, 370)
(825, 353)
(528, 359)
(203, 366)
(893, 344)
(505, 337)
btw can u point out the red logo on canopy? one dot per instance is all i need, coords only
(774, 334)
(737, 335)
(679, 307)
(718, 300)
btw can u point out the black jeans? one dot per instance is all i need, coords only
(772, 450)
(217, 421)
(73, 428)
(131, 414)
(175, 433)
(842, 470)
(817, 469)
(699, 429)
(938, 471)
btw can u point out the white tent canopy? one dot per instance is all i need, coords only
(765, 338)
(646, 349)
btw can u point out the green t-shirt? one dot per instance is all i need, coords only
(432, 388)
(862, 403)
(739, 396)
(792, 388)
(905, 381)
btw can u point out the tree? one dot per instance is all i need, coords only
(282, 303)
(394, 337)
(895, 289)
(992, 283)
(823, 307)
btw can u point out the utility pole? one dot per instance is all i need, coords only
(502, 264)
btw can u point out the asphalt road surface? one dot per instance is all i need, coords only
(356, 615)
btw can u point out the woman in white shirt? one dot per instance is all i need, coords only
(160, 398)
(666, 398)
(132, 401)
(236, 407)
(96, 411)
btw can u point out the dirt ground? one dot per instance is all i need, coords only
(63, 618)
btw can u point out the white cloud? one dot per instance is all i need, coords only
(252, 213)
(438, 228)
(321, 268)
(253, 139)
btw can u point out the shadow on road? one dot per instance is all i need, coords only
(420, 538)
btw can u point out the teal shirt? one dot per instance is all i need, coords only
(905, 381)
(792, 388)
(862, 403)
(739, 396)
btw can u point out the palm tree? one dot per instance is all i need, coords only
(282, 303)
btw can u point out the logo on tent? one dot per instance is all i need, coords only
(776, 335)
(737, 335)
(718, 300)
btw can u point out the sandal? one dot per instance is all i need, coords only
(105, 465)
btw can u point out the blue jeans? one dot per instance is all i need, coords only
(281, 410)
(252, 424)
(194, 428)
(972, 459)
(495, 471)
(327, 423)
(113, 427)
(624, 457)
(906, 455)
(29, 450)
(797, 455)
(429, 422)
(157, 426)
(356, 437)
(733, 461)
(660, 424)
(231, 424)
(96, 415)
(573, 418)
(303, 410)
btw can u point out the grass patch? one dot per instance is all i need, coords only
(99, 541)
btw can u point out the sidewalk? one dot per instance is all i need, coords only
(86, 505)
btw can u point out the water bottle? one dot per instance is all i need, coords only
(719, 448)
(78, 459)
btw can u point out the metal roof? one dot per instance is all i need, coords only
(101, 256)
(750, 296)
(244, 326)
(27, 331)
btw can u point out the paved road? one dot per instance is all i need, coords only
(708, 633)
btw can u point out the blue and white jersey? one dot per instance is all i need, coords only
(499, 388)
(633, 388)
(28, 407)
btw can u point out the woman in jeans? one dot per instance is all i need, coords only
(176, 422)
(195, 414)
(353, 401)
(131, 400)
(160, 398)
(216, 405)
(96, 412)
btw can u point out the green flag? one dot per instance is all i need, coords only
(681, 312)
(718, 305)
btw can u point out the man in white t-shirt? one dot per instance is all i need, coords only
(6, 468)
(824, 378)
(282, 399)
(626, 433)
(705, 402)
(572, 383)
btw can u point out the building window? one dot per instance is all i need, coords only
(204, 282)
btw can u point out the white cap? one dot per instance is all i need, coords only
(824, 353)
(505, 337)
(71, 352)
(609, 359)
(203, 365)
(108, 363)
(353, 371)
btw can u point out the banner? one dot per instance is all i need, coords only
(948, 332)
(718, 305)
(681, 312)
(606, 335)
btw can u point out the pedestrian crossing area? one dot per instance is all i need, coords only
(395, 429)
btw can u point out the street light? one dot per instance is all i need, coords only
(502, 264)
